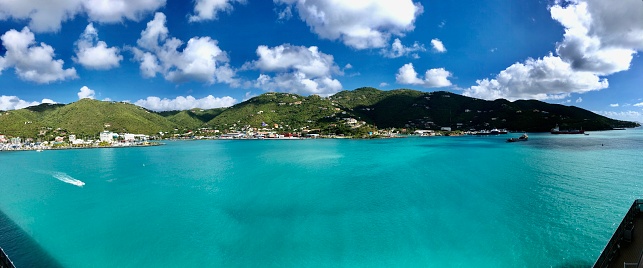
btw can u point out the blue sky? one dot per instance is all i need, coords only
(170, 54)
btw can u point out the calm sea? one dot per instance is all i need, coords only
(553, 201)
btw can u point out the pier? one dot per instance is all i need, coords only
(625, 248)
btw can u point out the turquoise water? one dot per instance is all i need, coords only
(410, 202)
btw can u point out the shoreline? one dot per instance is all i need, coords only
(40, 149)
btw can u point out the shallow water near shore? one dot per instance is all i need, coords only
(410, 202)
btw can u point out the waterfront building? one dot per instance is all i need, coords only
(107, 136)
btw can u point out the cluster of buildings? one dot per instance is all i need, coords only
(106, 139)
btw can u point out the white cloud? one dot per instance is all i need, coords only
(432, 78)
(201, 59)
(614, 105)
(47, 16)
(359, 24)
(299, 69)
(541, 79)
(438, 46)
(600, 39)
(14, 103)
(285, 14)
(640, 104)
(626, 115)
(397, 50)
(587, 47)
(208, 9)
(249, 95)
(32, 62)
(579, 100)
(50, 101)
(383, 84)
(185, 103)
(86, 93)
(94, 54)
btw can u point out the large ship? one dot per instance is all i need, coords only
(557, 130)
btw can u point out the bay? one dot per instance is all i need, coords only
(409, 202)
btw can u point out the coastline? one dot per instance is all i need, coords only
(44, 148)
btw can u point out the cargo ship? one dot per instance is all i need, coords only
(557, 130)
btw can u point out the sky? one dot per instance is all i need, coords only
(176, 55)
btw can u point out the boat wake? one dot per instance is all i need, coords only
(67, 179)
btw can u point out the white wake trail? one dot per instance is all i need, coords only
(67, 179)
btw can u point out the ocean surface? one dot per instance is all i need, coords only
(553, 201)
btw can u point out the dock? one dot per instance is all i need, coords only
(625, 248)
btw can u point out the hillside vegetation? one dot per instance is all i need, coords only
(402, 108)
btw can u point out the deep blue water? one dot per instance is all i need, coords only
(408, 202)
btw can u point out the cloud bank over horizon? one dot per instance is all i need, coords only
(600, 39)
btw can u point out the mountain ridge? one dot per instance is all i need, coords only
(287, 112)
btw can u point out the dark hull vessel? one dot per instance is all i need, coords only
(557, 130)
(524, 137)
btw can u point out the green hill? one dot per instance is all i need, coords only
(191, 119)
(410, 108)
(402, 108)
(85, 117)
(290, 111)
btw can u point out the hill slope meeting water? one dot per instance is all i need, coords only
(402, 108)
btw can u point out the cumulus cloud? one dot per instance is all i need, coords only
(50, 101)
(640, 104)
(614, 105)
(600, 39)
(546, 78)
(625, 115)
(14, 103)
(438, 46)
(358, 24)
(397, 50)
(579, 100)
(44, 16)
(208, 9)
(93, 53)
(587, 47)
(383, 84)
(185, 103)
(407, 75)
(32, 62)
(201, 59)
(299, 69)
(86, 93)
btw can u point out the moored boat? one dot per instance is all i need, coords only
(523, 137)
(557, 130)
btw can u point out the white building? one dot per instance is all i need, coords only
(107, 136)
(129, 137)
(72, 138)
